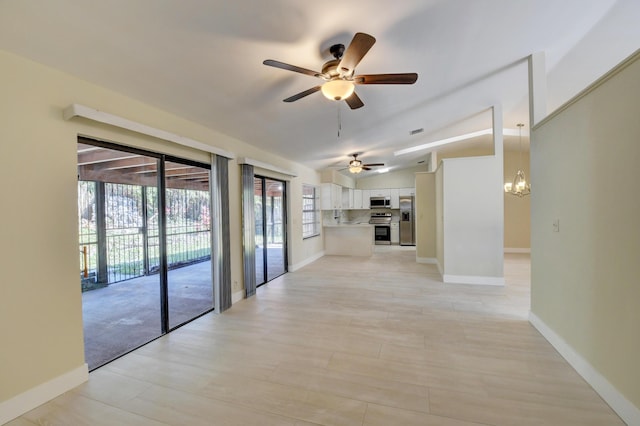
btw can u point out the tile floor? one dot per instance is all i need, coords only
(346, 341)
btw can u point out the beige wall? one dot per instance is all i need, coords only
(40, 299)
(400, 179)
(334, 176)
(517, 211)
(585, 278)
(426, 216)
(440, 219)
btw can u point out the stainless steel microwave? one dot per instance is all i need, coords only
(380, 202)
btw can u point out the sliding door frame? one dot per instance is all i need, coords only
(162, 221)
(285, 239)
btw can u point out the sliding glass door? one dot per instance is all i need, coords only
(188, 244)
(144, 245)
(270, 237)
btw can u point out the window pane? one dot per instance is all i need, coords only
(310, 214)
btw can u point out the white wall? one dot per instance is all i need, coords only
(40, 299)
(472, 225)
(470, 215)
(585, 290)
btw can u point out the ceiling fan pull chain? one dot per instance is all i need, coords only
(339, 121)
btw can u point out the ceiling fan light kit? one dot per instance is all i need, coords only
(337, 90)
(338, 74)
(356, 166)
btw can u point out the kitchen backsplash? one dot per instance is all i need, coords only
(333, 217)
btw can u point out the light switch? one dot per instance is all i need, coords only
(556, 225)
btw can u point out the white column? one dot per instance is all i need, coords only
(537, 88)
(433, 161)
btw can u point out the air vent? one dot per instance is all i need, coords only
(416, 131)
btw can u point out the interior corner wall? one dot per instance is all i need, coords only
(517, 210)
(425, 216)
(585, 288)
(473, 220)
(41, 330)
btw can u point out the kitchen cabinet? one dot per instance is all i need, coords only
(347, 198)
(365, 198)
(395, 198)
(395, 233)
(357, 199)
(330, 196)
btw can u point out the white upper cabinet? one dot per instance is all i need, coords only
(330, 196)
(335, 197)
(347, 198)
(366, 194)
(395, 198)
(357, 199)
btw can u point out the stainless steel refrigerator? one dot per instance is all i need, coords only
(407, 222)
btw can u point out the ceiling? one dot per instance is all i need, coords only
(202, 60)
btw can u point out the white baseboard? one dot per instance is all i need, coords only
(45, 392)
(237, 296)
(307, 261)
(471, 279)
(517, 250)
(428, 260)
(629, 413)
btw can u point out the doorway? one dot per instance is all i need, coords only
(270, 235)
(144, 243)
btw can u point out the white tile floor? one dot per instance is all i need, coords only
(347, 341)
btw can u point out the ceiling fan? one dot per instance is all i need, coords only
(356, 166)
(338, 74)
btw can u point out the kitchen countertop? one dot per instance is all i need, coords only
(346, 224)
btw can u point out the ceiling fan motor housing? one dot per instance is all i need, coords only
(337, 50)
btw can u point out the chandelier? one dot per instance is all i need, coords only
(519, 186)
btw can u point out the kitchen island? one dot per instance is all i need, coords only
(348, 239)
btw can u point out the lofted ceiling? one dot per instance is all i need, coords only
(202, 60)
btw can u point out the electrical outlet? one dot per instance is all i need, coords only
(556, 225)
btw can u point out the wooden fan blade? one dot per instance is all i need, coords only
(354, 101)
(373, 165)
(405, 78)
(302, 94)
(366, 168)
(359, 47)
(288, 67)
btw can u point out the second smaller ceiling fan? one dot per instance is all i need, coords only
(356, 166)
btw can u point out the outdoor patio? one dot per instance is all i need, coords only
(125, 315)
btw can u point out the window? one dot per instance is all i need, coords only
(310, 213)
